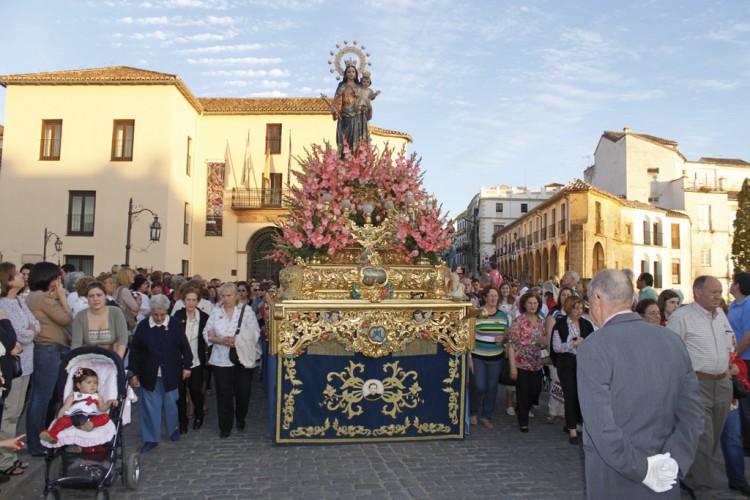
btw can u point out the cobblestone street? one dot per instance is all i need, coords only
(497, 463)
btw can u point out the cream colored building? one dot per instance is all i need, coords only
(585, 229)
(651, 170)
(79, 144)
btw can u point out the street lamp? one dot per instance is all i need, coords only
(154, 228)
(58, 244)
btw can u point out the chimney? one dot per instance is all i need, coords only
(626, 130)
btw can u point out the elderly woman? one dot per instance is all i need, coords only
(26, 327)
(194, 322)
(100, 324)
(232, 325)
(48, 304)
(525, 346)
(669, 302)
(487, 358)
(649, 311)
(160, 358)
(567, 335)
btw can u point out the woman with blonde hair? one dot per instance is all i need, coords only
(129, 303)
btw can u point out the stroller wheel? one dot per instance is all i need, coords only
(102, 495)
(52, 494)
(132, 471)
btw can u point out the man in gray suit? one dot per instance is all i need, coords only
(639, 397)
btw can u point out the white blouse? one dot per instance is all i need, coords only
(225, 326)
(191, 332)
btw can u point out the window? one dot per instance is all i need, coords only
(598, 217)
(554, 223)
(84, 263)
(644, 266)
(657, 274)
(186, 224)
(498, 207)
(675, 271)
(524, 208)
(706, 257)
(562, 219)
(675, 236)
(81, 208)
(189, 157)
(704, 217)
(122, 140)
(185, 268)
(498, 228)
(657, 234)
(646, 233)
(51, 135)
(273, 138)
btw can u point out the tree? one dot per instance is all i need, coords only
(741, 242)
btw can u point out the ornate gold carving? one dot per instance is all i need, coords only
(290, 374)
(400, 390)
(430, 428)
(396, 394)
(351, 391)
(392, 429)
(354, 329)
(453, 395)
(312, 430)
(350, 430)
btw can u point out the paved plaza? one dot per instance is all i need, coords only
(497, 463)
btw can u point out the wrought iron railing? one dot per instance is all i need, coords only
(248, 199)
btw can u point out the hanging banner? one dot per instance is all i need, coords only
(215, 198)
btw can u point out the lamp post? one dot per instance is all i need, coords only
(154, 228)
(58, 244)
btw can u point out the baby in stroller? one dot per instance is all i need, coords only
(84, 409)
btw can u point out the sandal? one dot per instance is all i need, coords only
(22, 465)
(13, 470)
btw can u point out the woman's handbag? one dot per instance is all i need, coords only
(17, 369)
(505, 374)
(233, 357)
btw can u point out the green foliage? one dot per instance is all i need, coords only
(741, 242)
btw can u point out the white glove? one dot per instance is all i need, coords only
(662, 473)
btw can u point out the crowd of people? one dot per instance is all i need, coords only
(654, 385)
(530, 338)
(174, 334)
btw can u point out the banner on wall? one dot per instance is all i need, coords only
(215, 198)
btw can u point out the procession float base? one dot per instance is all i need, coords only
(366, 370)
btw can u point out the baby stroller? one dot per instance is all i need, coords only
(83, 459)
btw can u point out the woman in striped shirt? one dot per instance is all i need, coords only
(487, 358)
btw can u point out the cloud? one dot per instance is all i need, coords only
(154, 35)
(271, 93)
(717, 85)
(216, 49)
(248, 73)
(213, 61)
(178, 4)
(178, 21)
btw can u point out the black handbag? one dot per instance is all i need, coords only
(233, 357)
(505, 374)
(739, 391)
(17, 369)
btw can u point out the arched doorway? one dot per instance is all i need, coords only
(599, 259)
(554, 264)
(260, 245)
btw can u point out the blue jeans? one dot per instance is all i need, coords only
(484, 384)
(733, 450)
(43, 382)
(154, 402)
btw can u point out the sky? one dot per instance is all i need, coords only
(492, 91)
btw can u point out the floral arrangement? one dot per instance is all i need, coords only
(334, 186)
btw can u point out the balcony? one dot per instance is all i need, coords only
(561, 227)
(259, 198)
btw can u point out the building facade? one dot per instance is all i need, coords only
(651, 170)
(586, 229)
(489, 211)
(79, 145)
